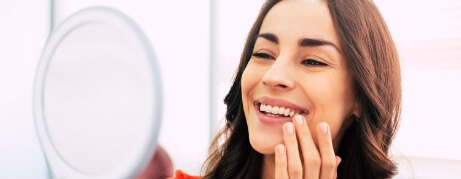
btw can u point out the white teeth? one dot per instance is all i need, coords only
(287, 111)
(268, 108)
(281, 110)
(262, 107)
(275, 110)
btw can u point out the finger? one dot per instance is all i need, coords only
(327, 153)
(309, 152)
(338, 160)
(295, 168)
(281, 167)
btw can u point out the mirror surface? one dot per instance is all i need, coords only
(98, 96)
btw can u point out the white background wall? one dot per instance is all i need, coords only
(428, 36)
(23, 31)
(427, 33)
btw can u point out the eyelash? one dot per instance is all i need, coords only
(310, 62)
(307, 62)
(262, 55)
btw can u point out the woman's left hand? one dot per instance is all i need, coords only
(298, 157)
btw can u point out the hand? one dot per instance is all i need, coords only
(310, 162)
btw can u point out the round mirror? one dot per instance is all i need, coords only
(97, 97)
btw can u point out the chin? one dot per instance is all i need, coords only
(264, 149)
(266, 144)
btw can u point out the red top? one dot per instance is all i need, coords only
(182, 175)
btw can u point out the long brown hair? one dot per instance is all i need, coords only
(372, 60)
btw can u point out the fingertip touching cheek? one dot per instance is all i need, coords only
(296, 68)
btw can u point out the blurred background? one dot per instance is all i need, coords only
(198, 44)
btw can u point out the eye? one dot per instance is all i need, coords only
(310, 62)
(262, 55)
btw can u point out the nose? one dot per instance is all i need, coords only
(279, 76)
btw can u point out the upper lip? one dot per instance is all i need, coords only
(281, 103)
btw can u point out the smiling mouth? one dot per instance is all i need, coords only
(279, 111)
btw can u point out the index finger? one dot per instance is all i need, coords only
(310, 154)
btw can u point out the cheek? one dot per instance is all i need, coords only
(332, 97)
(262, 138)
(245, 83)
(250, 79)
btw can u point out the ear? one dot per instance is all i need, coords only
(356, 109)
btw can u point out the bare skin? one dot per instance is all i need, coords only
(297, 64)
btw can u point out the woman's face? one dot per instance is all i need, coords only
(296, 68)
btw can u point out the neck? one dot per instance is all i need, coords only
(268, 167)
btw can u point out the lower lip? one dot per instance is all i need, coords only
(269, 119)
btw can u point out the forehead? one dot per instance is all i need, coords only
(294, 19)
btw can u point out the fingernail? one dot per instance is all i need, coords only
(299, 119)
(281, 149)
(289, 127)
(323, 128)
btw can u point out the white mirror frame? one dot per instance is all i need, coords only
(134, 163)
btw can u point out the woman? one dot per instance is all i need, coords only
(317, 95)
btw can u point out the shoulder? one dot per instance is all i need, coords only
(181, 175)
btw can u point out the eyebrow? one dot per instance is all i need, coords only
(269, 36)
(304, 42)
(308, 42)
